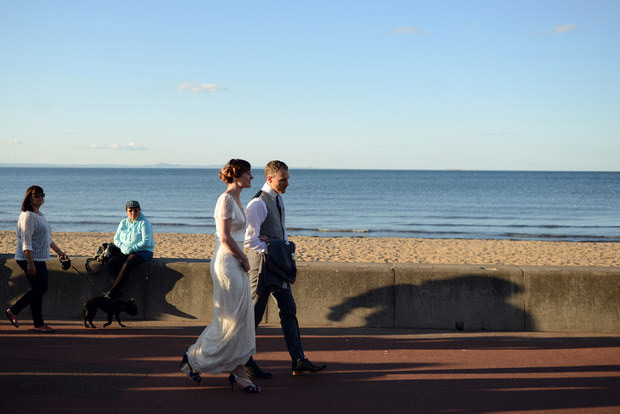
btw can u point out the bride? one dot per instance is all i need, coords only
(229, 341)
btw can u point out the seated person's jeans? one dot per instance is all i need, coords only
(119, 266)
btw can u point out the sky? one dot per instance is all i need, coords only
(430, 85)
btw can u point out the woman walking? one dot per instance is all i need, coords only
(34, 240)
(229, 341)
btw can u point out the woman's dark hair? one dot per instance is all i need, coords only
(32, 190)
(234, 168)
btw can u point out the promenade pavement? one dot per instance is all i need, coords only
(135, 370)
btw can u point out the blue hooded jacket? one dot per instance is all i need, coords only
(134, 237)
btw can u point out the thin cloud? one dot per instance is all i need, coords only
(120, 147)
(203, 87)
(557, 30)
(565, 28)
(415, 31)
(12, 142)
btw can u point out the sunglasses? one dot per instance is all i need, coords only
(39, 195)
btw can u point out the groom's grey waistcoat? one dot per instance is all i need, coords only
(273, 226)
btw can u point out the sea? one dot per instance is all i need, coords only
(512, 205)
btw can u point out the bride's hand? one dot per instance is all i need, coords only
(245, 264)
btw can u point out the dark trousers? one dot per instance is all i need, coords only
(34, 297)
(286, 305)
(119, 266)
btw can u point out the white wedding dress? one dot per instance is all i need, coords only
(229, 341)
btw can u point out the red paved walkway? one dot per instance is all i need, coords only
(134, 370)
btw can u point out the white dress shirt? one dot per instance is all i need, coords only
(256, 213)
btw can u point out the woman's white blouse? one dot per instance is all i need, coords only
(33, 233)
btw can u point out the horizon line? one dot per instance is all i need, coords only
(212, 166)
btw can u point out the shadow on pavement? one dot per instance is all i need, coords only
(135, 369)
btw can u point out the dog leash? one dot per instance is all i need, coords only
(64, 266)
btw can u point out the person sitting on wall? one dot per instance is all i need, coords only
(134, 238)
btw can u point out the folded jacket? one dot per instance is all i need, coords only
(279, 265)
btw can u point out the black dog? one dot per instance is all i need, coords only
(110, 306)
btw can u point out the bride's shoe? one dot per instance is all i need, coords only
(188, 371)
(232, 378)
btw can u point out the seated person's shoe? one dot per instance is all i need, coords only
(254, 371)
(303, 366)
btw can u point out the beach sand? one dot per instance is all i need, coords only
(368, 249)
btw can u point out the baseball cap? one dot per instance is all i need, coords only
(132, 204)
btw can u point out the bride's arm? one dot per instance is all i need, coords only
(230, 244)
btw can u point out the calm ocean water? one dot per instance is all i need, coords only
(567, 206)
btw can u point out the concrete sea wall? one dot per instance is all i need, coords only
(462, 297)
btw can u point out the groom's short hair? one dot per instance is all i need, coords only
(273, 167)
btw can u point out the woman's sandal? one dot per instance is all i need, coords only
(188, 371)
(12, 317)
(233, 379)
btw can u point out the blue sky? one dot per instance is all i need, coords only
(527, 85)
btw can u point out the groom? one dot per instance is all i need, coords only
(265, 217)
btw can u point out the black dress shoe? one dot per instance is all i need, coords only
(303, 366)
(254, 371)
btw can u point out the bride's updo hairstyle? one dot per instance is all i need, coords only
(234, 169)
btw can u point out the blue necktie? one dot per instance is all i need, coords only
(278, 205)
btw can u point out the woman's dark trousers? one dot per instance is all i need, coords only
(34, 297)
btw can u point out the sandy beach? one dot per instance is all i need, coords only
(368, 249)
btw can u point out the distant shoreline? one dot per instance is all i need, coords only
(209, 167)
(368, 249)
